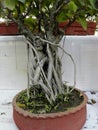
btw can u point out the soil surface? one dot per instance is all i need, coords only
(37, 102)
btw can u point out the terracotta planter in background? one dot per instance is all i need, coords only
(8, 29)
(77, 29)
(73, 119)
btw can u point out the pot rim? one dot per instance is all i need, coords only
(50, 115)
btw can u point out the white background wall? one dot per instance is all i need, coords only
(84, 49)
(12, 62)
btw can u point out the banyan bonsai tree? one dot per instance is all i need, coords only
(38, 21)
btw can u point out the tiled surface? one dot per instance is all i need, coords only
(92, 112)
(6, 119)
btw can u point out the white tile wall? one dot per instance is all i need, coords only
(84, 49)
(13, 62)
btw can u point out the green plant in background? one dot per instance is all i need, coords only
(38, 21)
(70, 10)
(80, 11)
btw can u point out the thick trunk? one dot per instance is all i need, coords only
(45, 68)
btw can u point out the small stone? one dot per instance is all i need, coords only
(2, 113)
(93, 101)
(93, 92)
(89, 102)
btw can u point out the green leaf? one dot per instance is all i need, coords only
(30, 21)
(92, 2)
(10, 4)
(82, 2)
(61, 17)
(23, 1)
(72, 6)
(83, 22)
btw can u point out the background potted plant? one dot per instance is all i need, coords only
(47, 103)
(77, 29)
(8, 28)
(81, 17)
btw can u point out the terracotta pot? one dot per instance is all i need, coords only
(77, 29)
(73, 119)
(8, 29)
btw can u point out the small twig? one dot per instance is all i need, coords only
(50, 64)
(63, 47)
(28, 66)
(44, 88)
(59, 84)
(55, 87)
(60, 6)
(48, 84)
(37, 56)
(38, 69)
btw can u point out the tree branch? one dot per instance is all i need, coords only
(60, 5)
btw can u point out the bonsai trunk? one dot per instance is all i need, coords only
(44, 66)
